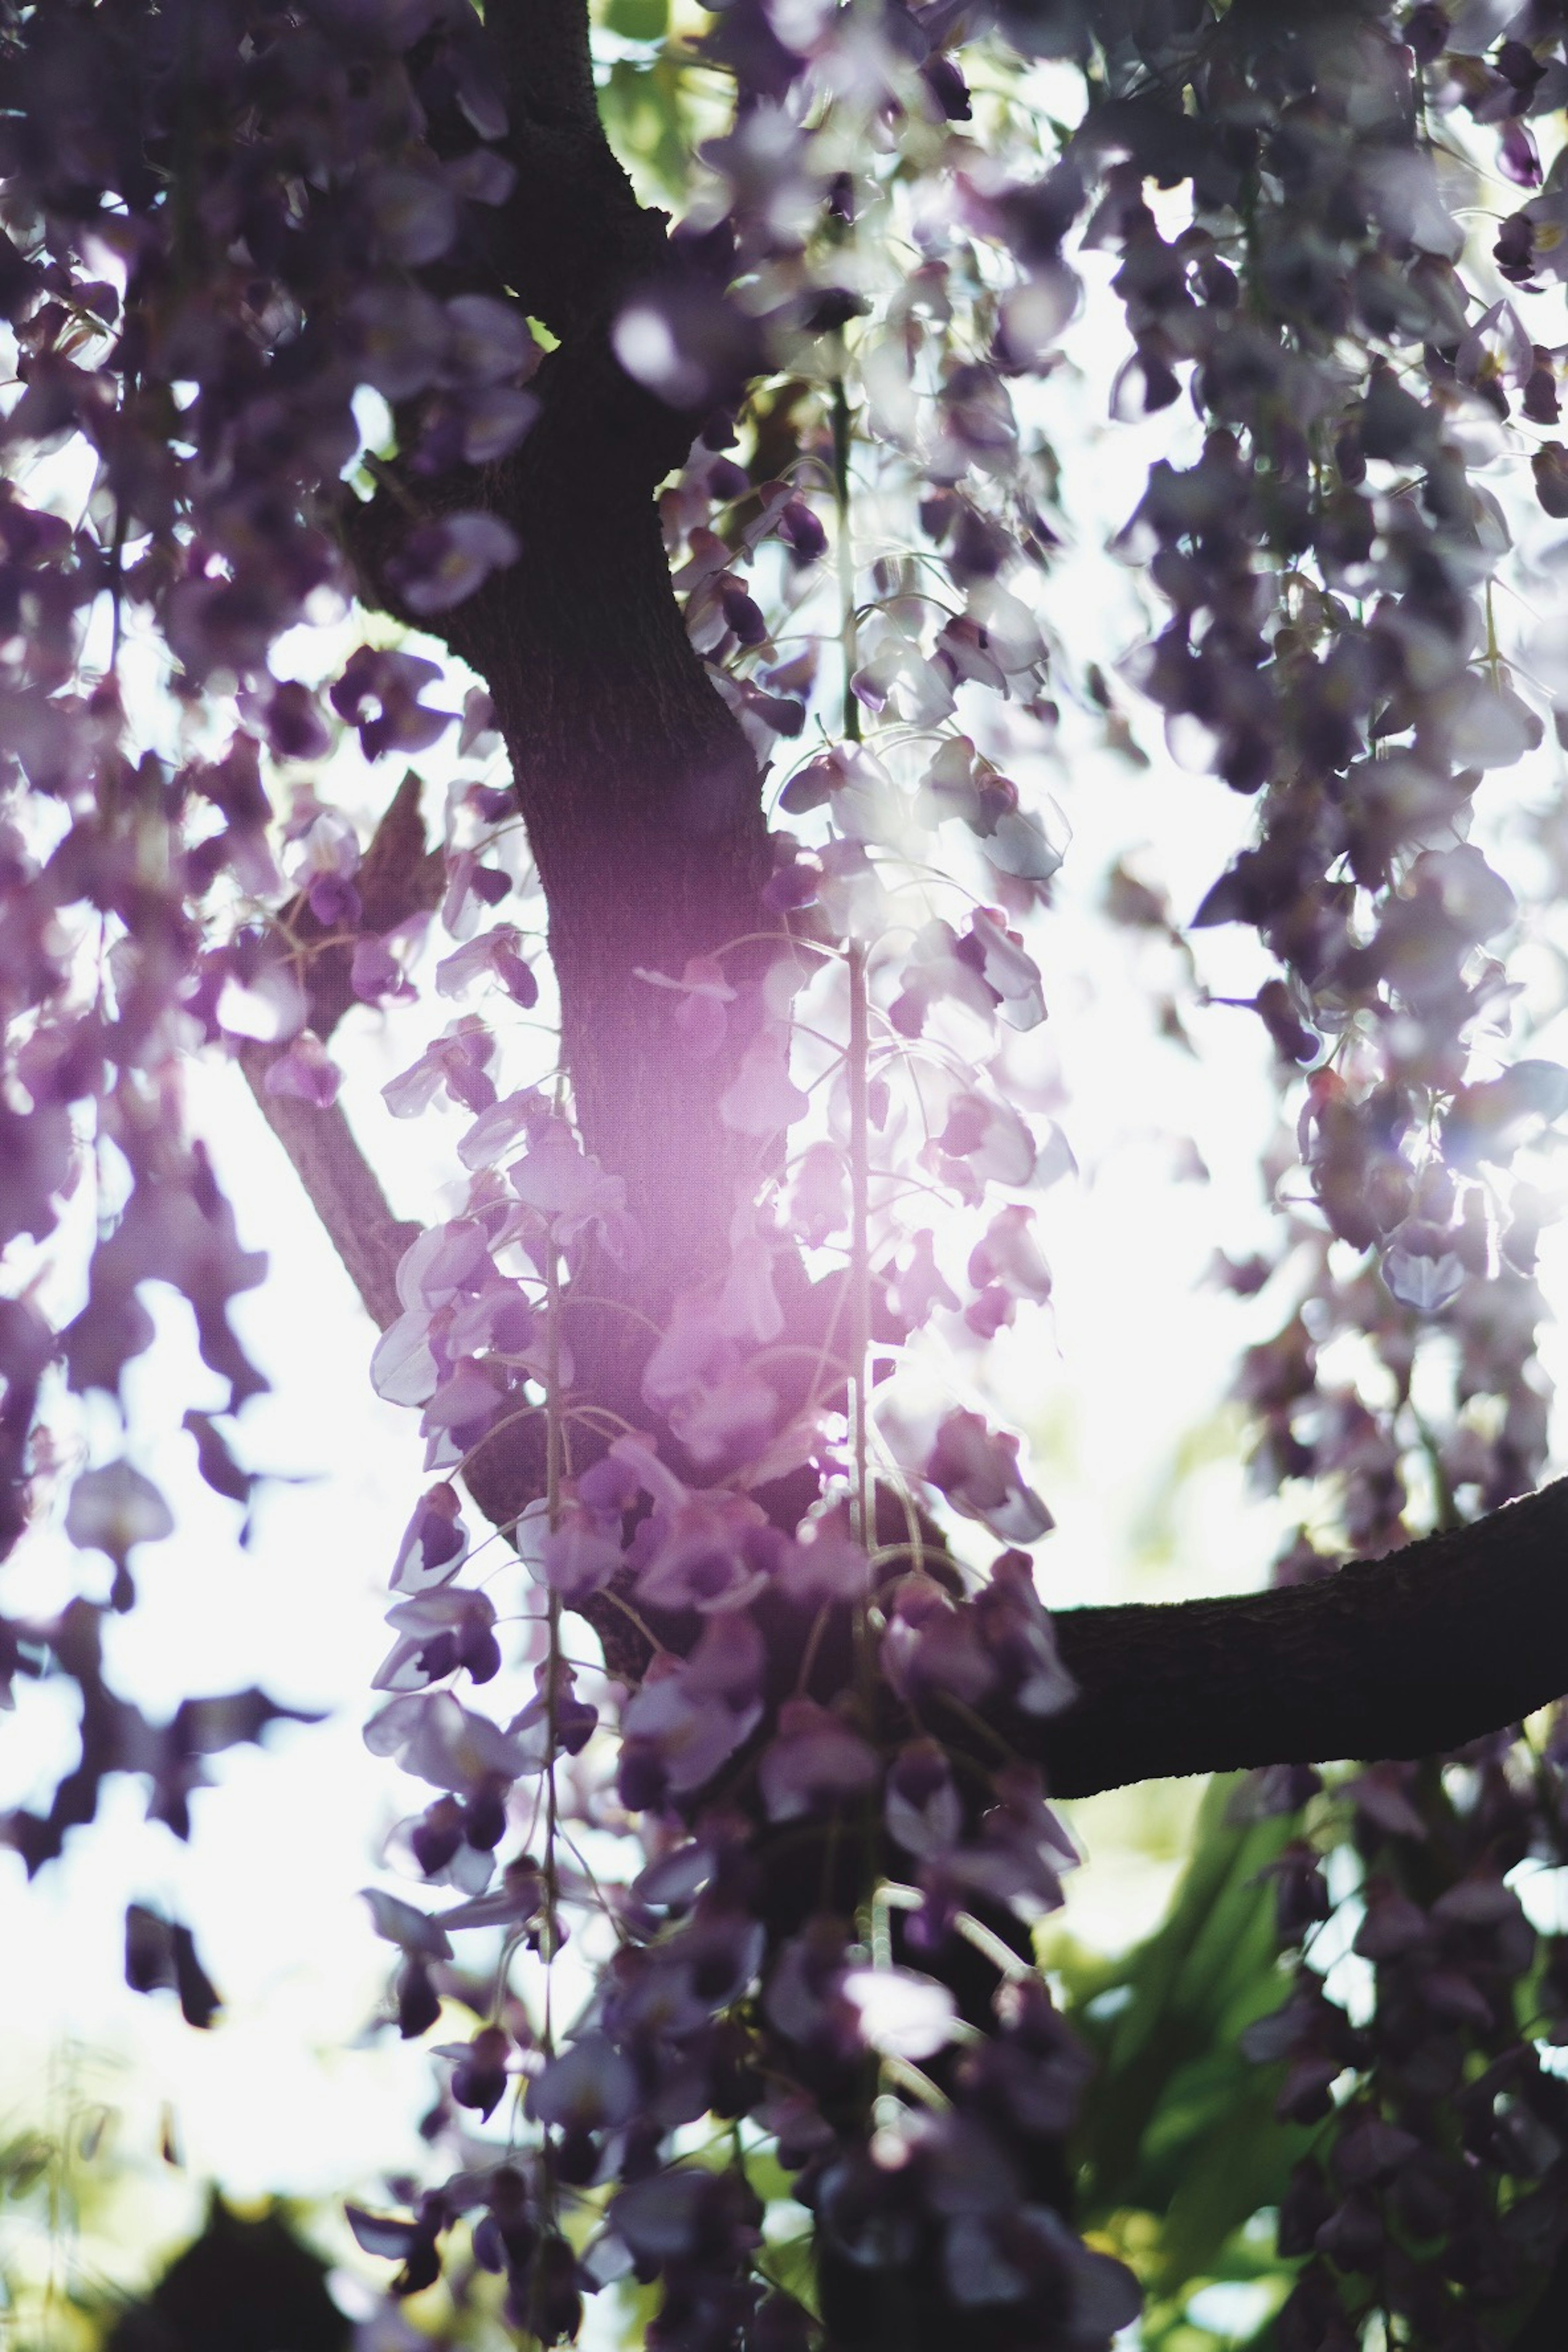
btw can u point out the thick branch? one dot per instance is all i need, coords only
(642, 800)
(397, 879)
(575, 230)
(340, 1186)
(1452, 1638)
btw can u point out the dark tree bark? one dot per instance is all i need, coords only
(640, 794)
(1435, 1645)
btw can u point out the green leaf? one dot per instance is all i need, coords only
(644, 118)
(1177, 2123)
(638, 20)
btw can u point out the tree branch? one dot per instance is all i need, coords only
(398, 879)
(1452, 1638)
(575, 231)
(340, 1184)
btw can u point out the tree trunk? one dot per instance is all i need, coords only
(642, 800)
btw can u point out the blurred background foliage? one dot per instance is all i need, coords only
(1181, 2158)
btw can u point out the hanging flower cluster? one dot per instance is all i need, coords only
(1335, 649)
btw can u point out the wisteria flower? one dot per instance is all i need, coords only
(305, 1071)
(457, 1061)
(819, 1196)
(376, 975)
(989, 1137)
(580, 1555)
(708, 1554)
(1005, 966)
(924, 1811)
(900, 2014)
(588, 2086)
(438, 1632)
(695, 1344)
(568, 1188)
(815, 1761)
(919, 1286)
(442, 563)
(497, 1320)
(435, 1542)
(932, 1643)
(977, 1469)
(445, 1264)
(400, 1923)
(556, 1712)
(379, 693)
(938, 968)
(1009, 1255)
(1018, 1632)
(495, 954)
(822, 1563)
(463, 1403)
(1022, 1851)
(764, 1099)
(704, 994)
(437, 1739)
(114, 1508)
(326, 859)
(689, 1714)
(726, 1422)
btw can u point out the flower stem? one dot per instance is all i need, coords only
(860, 1245)
(841, 438)
(554, 1435)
